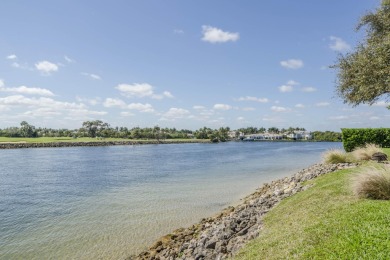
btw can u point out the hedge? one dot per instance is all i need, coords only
(358, 137)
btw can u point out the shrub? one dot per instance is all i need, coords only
(359, 137)
(365, 153)
(336, 156)
(372, 183)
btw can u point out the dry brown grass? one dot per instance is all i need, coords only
(336, 156)
(365, 153)
(372, 183)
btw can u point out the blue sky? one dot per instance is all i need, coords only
(183, 64)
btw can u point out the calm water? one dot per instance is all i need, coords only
(111, 202)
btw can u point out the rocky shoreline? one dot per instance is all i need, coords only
(17, 145)
(222, 236)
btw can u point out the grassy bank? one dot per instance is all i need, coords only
(324, 222)
(88, 139)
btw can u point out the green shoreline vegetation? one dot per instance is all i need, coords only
(99, 131)
(327, 221)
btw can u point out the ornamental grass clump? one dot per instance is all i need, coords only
(335, 156)
(372, 183)
(365, 153)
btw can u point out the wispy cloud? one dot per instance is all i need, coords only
(26, 90)
(381, 104)
(199, 107)
(175, 113)
(178, 31)
(323, 104)
(11, 57)
(308, 89)
(91, 101)
(256, 99)
(216, 35)
(292, 64)
(338, 117)
(300, 106)
(280, 109)
(46, 67)
(91, 76)
(292, 83)
(146, 108)
(248, 109)
(338, 44)
(113, 102)
(141, 90)
(68, 60)
(285, 88)
(222, 107)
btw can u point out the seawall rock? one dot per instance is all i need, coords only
(221, 236)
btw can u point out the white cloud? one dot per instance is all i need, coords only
(280, 109)
(222, 107)
(374, 118)
(292, 64)
(46, 67)
(285, 88)
(198, 107)
(292, 83)
(273, 119)
(91, 101)
(178, 31)
(322, 104)
(309, 89)
(112, 102)
(148, 108)
(176, 113)
(125, 113)
(12, 57)
(249, 98)
(214, 35)
(248, 109)
(42, 112)
(300, 106)
(92, 76)
(141, 90)
(240, 118)
(338, 117)
(16, 100)
(48, 107)
(135, 90)
(381, 104)
(28, 91)
(69, 60)
(168, 94)
(338, 44)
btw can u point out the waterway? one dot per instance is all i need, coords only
(112, 202)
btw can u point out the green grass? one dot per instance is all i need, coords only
(324, 222)
(88, 139)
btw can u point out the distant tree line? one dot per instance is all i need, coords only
(327, 136)
(100, 129)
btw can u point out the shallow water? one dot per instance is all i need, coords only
(111, 202)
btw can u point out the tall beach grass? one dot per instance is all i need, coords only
(372, 183)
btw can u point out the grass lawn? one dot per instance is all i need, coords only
(88, 139)
(324, 222)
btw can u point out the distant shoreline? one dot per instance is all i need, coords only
(23, 144)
